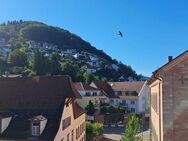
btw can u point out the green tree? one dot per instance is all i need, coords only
(88, 78)
(39, 63)
(3, 64)
(71, 69)
(55, 67)
(93, 130)
(90, 108)
(17, 58)
(132, 129)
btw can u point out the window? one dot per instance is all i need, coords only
(132, 109)
(87, 94)
(94, 94)
(72, 135)
(35, 129)
(111, 101)
(96, 102)
(132, 102)
(66, 122)
(154, 102)
(124, 101)
(80, 129)
(68, 138)
(76, 133)
(120, 93)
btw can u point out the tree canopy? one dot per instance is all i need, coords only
(132, 129)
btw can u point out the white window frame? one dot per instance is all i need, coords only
(35, 130)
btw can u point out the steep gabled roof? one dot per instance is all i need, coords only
(26, 97)
(106, 88)
(169, 65)
(84, 87)
(127, 86)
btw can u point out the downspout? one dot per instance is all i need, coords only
(150, 115)
(159, 105)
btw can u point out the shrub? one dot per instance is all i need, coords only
(93, 130)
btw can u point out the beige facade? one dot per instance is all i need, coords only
(96, 100)
(169, 101)
(155, 116)
(75, 131)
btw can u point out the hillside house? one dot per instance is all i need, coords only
(133, 95)
(90, 70)
(71, 51)
(115, 67)
(40, 108)
(93, 64)
(76, 56)
(94, 58)
(169, 100)
(4, 49)
(33, 44)
(2, 42)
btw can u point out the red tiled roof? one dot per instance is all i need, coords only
(106, 88)
(78, 111)
(26, 97)
(165, 65)
(84, 87)
(127, 86)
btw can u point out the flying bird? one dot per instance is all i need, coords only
(121, 34)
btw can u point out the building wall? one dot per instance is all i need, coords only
(154, 109)
(143, 99)
(115, 102)
(83, 93)
(84, 101)
(75, 125)
(4, 123)
(175, 102)
(131, 102)
(42, 125)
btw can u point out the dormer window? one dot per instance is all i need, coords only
(38, 124)
(35, 129)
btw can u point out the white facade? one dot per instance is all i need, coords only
(133, 103)
(76, 56)
(93, 64)
(43, 125)
(5, 123)
(115, 67)
(143, 99)
(95, 96)
(90, 71)
(2, 42)
(94, 58)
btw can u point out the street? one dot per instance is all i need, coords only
(113, 133)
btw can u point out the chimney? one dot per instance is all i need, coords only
(170, 58)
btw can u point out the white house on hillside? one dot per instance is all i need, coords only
(94, 58)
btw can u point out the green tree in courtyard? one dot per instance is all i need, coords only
(132, 129)
(90, 108)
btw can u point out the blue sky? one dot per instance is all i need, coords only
(153, 29)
